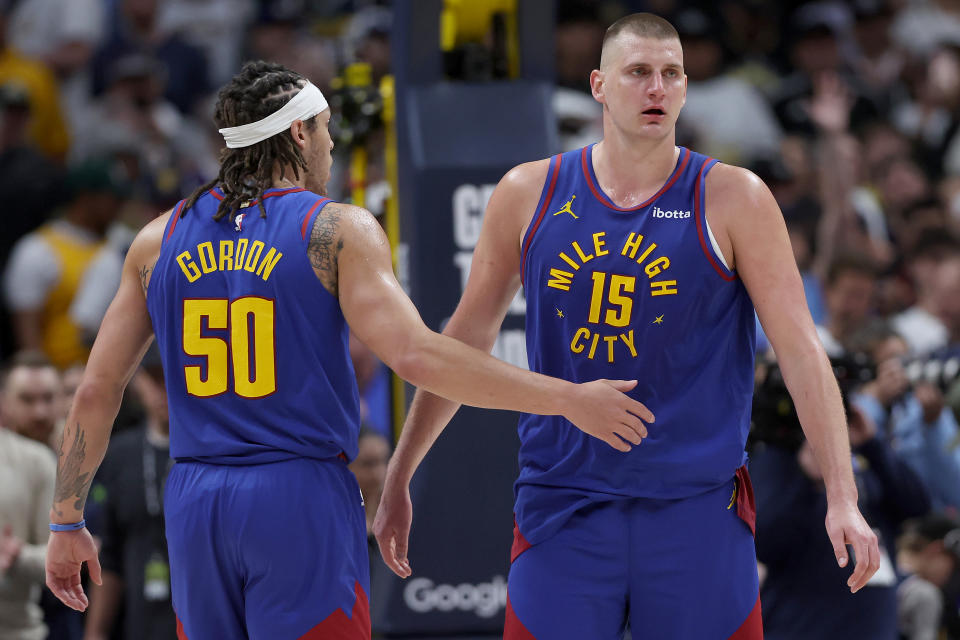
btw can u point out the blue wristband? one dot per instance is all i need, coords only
(73, 526)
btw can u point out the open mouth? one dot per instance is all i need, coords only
(656, 111)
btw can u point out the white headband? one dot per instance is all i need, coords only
(307, 103)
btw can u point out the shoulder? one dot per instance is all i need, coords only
(527, 178)
(150, 237)
(731, 185)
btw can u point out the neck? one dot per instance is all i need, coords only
(288, 181)
(631, 169)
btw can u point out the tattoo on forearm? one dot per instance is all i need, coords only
(145, 276)
(325, 246)
(70, 482)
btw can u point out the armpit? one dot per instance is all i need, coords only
(325, 246)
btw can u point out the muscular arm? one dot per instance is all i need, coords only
(124, 336)
(494, 280)
(755, 241)
(383, 318)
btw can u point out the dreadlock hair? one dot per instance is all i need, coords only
(257, 91)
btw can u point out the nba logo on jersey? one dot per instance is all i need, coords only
(238, 221)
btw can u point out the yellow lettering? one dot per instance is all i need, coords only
(575, 345)
(593, 345)
(254, 256)
(226, 255)
(647, 252)
(269, 262)
(585, 259)
(207, 262)
(569, 261)
(663, 288)
(188, 266)
(632, 245)
(599, 244)
(241, 252)
(628, 340)
(653, 268)
(561, 279)
(618, 285)
(610, 340)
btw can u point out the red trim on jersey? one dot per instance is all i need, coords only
(306, 218)
(602, 197)
(746, 503)
(181, 634)
(337, 626)
(513, 629)
(284, 192)
(520, 543)
(697, 212)
(539, 218)
(752, 627)
(173, 223)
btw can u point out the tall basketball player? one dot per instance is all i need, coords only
(644, 260)
(249, 286)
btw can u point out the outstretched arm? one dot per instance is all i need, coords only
(755, 236)
(124, 336)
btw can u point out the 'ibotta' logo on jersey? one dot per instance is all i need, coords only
(485, 599)
(676, 214)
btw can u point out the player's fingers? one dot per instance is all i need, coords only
(638, 409)
(622, 385)
(93, 566)
(617, 443)
(630, 435)
(871, 562)
(861, 555)
(839, 547)
(635, 425)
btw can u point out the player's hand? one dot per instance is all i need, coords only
(845, 526)
(66, 553)
(603, 410)
(391, 526)
(10, 548)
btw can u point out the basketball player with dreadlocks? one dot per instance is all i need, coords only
(249, 285)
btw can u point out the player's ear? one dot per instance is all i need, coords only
(298, 134)
(596, 86)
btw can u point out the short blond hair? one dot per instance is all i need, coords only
(645, 25)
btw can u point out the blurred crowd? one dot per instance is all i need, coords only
(848, 110)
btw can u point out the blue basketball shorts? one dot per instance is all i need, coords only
(274, 551)
(672, 569)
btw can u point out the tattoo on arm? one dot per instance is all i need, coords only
(70, 482)
(325, 246)
(145, 277)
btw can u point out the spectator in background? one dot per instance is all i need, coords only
(137, 30)
(217, 27)
(27, 473)
(930, 550)
(278, 35)
(47, 265)
(578, 39)
(62, 34)
(728, 118)
(946, 287)
(370, 468)
(803, 595)
(46, 128)
(911, 417)
(368, 40)
(30, 187)
(30, 398)
(850, 289)
(128, 490)
(919, 324)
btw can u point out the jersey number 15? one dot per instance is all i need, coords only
(249, 349)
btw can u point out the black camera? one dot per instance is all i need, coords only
(940, 368)
(774, 419)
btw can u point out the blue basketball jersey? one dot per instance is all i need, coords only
(254, 348)
(636, 293)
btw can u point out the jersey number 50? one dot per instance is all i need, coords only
(251, 332)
